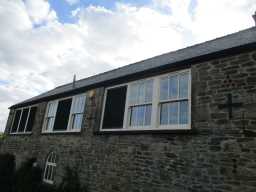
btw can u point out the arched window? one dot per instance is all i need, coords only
(50, 168)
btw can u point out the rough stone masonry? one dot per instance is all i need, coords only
(217, 155)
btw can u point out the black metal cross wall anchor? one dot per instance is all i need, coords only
(230, 105)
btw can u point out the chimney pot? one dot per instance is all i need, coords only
(254, 17)
(74, 81)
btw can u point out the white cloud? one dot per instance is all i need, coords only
(217, 18)
(35, 59)
(39, 11)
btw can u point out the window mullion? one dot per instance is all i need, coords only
(19, 121)
(144, 116)
(25, 129)
(155, 99)
(46, 166)
(13, 121)
(178, 96)
(56, 103)
(70, 124)
(126, 114)
(46, 118)
(189, 97)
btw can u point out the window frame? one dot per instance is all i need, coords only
(68, 130)
(155, 111)
(47, 117)
(72, 114)
(127, 118)
(25, 128)
(173, 100)
(50, 164)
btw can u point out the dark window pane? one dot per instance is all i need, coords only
(31, 119)
(114, 108)
(46, 172)
(16, 121)
(62, 115)
(23, 120)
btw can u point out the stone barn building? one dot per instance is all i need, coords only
(182, 121)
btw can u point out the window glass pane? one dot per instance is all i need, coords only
(184, 112)
(78, 104)
(141, 92)
(49, 123)
(148, 109)
(114, 108)
(50, 167)
(164, 114)
(140, 115)
(81, 104)
(52, 106)
(164, 88)
(62, 115)
(173, 113)
(46, 172)
(51, 173)
(133, 112)
(77, 121)
(16, 121)
(173, 87)
(183, 86)
(133, 94)
(31, 119)
(169, 113)
(149, 91)
(23, 120)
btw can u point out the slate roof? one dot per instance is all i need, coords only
(235, 40)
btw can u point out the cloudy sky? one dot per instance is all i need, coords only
(43, 43)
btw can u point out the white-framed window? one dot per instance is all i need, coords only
(23, 120)
(77, 111)
(158, 103)
(50, 115)
(174, 100)
(64, 115)
(50, 168)
(140, 103)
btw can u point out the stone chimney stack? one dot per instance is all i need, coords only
(254, 17)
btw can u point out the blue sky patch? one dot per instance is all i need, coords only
(4, 82)
(63, 9)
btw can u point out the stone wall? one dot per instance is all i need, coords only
(218, 155)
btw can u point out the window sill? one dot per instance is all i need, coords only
(149, 128)
(61, 132)
(162, 129)
(24, 133)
